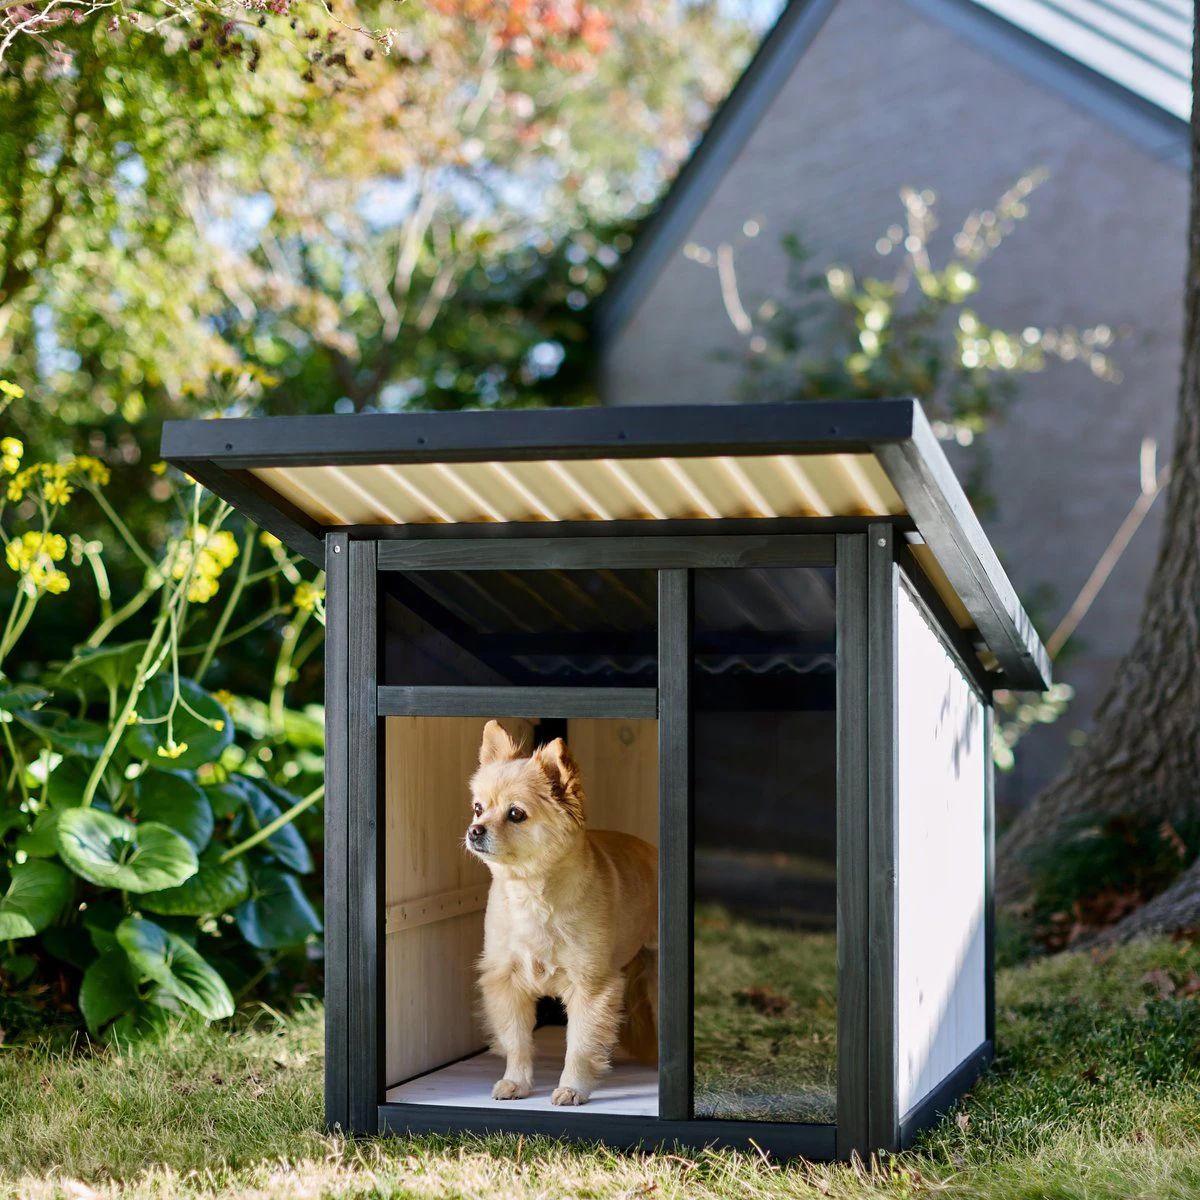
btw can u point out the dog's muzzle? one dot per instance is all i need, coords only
(477, 838)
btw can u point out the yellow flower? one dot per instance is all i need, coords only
(211, 553)
(12, 446)
(172, 749)
(93, 468)
(224, 697)
(9, 462)
(57, 491)
(11, 389)
(33, 556)
(159, 468)
(269, 540)
(306, 596)
(201, 589)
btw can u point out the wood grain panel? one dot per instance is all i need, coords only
(619, 760)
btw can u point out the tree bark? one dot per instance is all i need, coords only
(1172, 911)
(1143, 754)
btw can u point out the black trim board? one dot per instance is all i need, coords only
(928, 1111)
(629, 703)
(837, 426)
(337, 867)
(534, 554)
(814, 1142)
(853, 838)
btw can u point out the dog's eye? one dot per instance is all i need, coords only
(477, 809)
(516, 815)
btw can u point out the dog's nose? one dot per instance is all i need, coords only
(476, 832)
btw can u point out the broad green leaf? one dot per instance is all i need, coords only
(263, 800)
(42, 840)
(226, 799)
(146, 1020)
(111, 852)
(204, 743)
(215, 888)
(278, 912)
(113, 666)
(107, 989)
(178, 969)
(35, 896)
(100, 919)
(67, 782)
(21, 696)
(65, 733)
(174, 800)
(69, 944)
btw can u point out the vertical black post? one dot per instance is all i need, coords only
(853, 885)
(337, 562)
(365, 845)
(989, 875)
(675, 897)
(884, 1119)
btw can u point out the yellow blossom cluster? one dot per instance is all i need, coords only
(213, 552)
(33, 555)
(306, 597)
(56, 480)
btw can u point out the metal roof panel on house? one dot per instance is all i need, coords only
(439, 482)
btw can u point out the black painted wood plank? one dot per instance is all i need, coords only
(531, 554)
(932, 495)
(929, 1110)
(489, 701)
(676, 842)
(989, 877)
(853, 881)
(882, 582)
(365, 919)
(337, 1113)
(815, 1142)
(841, 426)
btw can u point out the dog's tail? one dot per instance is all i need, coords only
(639, 1030)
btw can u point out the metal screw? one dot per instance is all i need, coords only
(881, 542)
(338, 549)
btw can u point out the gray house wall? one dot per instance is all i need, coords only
(887, 96)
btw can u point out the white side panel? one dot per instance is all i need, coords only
(941, 765)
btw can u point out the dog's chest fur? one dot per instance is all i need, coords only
(523, 926)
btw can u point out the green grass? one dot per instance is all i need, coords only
(1096, 1095)
(752, 1062)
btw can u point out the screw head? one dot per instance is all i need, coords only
(881, 542)
(338, 549)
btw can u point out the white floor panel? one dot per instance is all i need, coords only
(630, 1088)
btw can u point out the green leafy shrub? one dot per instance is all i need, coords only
(149, 866)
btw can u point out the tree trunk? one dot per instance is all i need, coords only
(1176, 909)
(1143, 754)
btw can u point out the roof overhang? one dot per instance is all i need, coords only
(811, 465)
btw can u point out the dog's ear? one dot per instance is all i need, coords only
(497, 746)
(566, 780)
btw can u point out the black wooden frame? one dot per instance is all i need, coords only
(868, 565)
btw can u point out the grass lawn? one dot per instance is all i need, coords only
(1096, 1094)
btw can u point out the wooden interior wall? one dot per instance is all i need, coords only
(435, 893)
(619, 760)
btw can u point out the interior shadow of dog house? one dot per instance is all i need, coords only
(771, 636)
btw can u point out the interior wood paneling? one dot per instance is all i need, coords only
(619, 760)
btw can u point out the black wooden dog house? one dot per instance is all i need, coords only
(771, 636)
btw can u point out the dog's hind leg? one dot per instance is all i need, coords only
(510, 1012)
(593, 1021)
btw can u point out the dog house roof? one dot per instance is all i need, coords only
(821, 463)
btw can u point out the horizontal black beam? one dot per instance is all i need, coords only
(815, 1142)
(669, 527)
(840, 426)
(532, 554)
(629, 703)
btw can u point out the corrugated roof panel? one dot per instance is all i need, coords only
(815, 485)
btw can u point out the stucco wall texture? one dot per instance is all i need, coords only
(886, 97)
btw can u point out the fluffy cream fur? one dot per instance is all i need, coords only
(571, 913)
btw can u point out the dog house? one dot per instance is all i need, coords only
(770, 635)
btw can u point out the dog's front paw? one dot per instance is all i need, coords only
(568, 1095)
(506, 1089)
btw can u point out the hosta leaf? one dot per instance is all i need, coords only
(226, 798)
(204, 743)
(263, 804)
(41, 841)
(107, 989)
(278, 912)
(178, 969)
(215, 888)
(174, 800)
(114, 666)
(35, 896)
(111, 852)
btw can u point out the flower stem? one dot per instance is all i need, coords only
(284, 818)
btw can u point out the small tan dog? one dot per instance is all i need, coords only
(571, 913)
